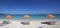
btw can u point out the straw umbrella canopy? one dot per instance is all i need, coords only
(50, 16)
(26, 16)
(8, 16)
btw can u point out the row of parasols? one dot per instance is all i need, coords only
(27, 16)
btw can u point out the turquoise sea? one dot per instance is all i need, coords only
(32, 16)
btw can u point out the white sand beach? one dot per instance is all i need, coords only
(33, 24)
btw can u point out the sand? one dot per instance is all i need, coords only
(33, 24)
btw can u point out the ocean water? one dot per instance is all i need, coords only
(32, 16)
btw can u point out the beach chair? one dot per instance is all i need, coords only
(40, 27)
(25, 23)
(49, 23)
(5, 23)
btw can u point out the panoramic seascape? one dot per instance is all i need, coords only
(29, 13)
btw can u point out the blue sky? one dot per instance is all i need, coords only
(29, 6)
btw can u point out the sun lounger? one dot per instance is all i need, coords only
(5, 23)
(40, 27)
(49, 23)
(25, 23)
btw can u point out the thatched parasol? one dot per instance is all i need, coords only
(50, 16)
(26, 16)
(8, 16)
